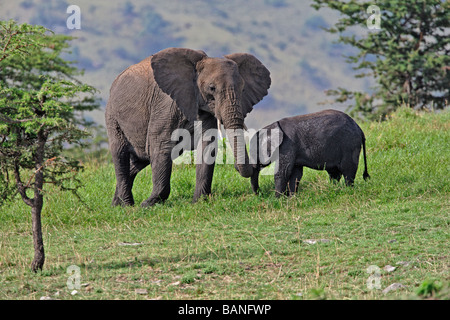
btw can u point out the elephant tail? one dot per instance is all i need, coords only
(366, 173)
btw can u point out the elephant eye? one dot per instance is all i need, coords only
(212, 87)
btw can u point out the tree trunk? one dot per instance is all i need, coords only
(37, 204)
(38, 243)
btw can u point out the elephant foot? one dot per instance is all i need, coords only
(283, 194)
(200, 197)
(120, 202)
(151, 202)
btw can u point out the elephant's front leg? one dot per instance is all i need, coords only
(294, 180)
(206, 157)
(280, 184)
(283, 170)
(204, 176)
(161, 171)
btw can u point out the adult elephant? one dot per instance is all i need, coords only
(170, 90)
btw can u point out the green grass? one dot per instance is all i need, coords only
(235, 245)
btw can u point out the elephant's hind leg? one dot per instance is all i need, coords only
(335, 174)
(349, 172)
(349, 177)
(349, 166)
(136, 165)
(121, 158)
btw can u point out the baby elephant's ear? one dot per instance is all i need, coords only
(174, 72)
(276, 138)
(270, 139)
(278, 132)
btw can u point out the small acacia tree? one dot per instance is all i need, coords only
(409, 56)
(40, 104)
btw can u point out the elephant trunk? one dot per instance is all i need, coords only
(233, 121)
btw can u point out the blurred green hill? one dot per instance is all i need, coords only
(286, 35)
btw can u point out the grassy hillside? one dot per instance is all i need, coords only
(285, 35)
(235, 245)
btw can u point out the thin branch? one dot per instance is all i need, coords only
(9, 40)
(47, 162)
(7, 119)
(20, 187)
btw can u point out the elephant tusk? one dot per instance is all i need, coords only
(219, 130)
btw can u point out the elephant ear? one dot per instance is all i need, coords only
(174, 72)
(270, 138)
(256, 77)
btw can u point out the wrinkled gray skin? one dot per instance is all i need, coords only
(328, 140)
(170, 90)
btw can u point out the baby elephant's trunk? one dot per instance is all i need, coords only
(255, 180)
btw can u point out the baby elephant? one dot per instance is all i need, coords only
(328, 140)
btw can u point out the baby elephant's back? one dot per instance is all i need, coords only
(324, 136)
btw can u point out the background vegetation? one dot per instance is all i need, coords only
(408, 53)
(285, 35)
(41, 108)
